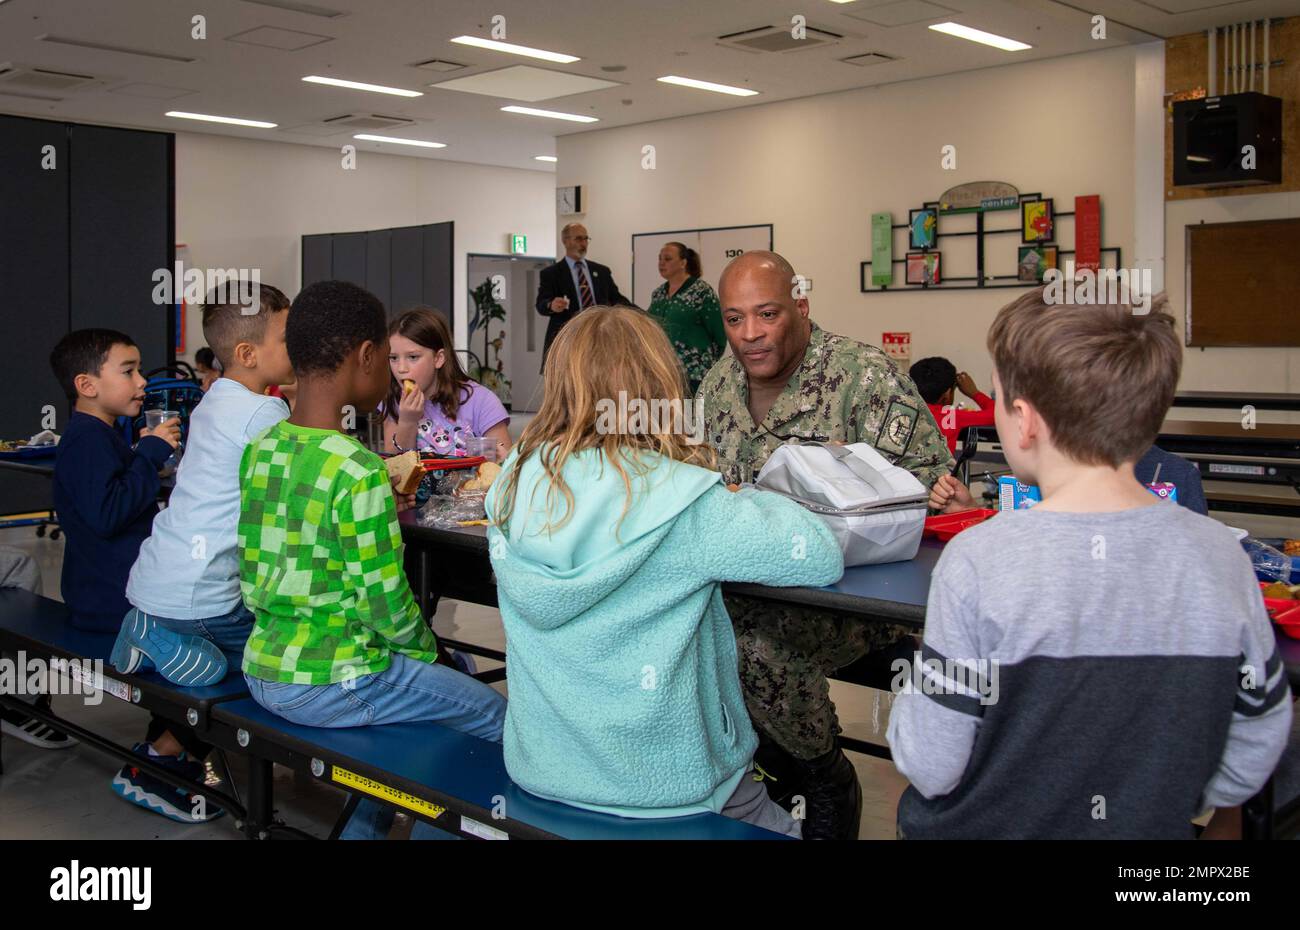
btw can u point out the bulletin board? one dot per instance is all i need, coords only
(1242, 279)
(717, 246)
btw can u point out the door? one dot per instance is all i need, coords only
(513, 344)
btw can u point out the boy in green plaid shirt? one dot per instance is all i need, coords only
(321, 561)
(339, 640)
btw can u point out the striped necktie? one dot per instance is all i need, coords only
(584, 289)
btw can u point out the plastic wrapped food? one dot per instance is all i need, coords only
(1269, 563)
(449, 511)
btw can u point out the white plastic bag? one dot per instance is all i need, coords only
(875, 509)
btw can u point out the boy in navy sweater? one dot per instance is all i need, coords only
(106, 496)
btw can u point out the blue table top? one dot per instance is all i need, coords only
(896, 591)
(468, 768)
(30, 618)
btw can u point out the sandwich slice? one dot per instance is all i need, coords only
(405, 471)
(482, 480)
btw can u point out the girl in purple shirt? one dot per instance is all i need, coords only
(444, 407)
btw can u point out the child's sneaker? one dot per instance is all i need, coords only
(465, 662)
(30, 730)
(139, 787)
(188, 661)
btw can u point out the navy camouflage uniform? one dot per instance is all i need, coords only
(844, 391)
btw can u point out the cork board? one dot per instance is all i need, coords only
(1242, 279)
(1186, 72)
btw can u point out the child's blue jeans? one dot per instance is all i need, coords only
(407, 691)
(229, 631)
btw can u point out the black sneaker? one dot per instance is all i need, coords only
(30, 730)
(779, 771)
(833, 796)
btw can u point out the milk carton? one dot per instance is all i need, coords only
(1015, 495)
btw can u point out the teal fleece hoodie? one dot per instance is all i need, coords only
(624, 690)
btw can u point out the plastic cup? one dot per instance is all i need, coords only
(481, 445)
(155, 418)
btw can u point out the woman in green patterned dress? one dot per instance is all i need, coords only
(688, 310)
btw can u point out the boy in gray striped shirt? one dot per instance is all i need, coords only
(1100, 666)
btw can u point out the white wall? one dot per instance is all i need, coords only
(246, 204)
(818, 167)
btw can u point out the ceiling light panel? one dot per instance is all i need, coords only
(524, 82)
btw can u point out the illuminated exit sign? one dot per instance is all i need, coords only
(518, 245)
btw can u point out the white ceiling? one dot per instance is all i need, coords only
(253, 60)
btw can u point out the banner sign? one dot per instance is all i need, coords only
(882, 249)
(1087, 232)
(979, 197)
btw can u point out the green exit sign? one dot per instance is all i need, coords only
(518, 245)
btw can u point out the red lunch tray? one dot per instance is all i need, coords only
(1284, 612)
(1288, 621)
(1275, 604)
(947, 525)
(436, 464)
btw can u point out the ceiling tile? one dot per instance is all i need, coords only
(152, 91)
(523, 82)
(1189, 6)
(286, 40)
(902, 13)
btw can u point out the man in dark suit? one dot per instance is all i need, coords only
(573, 284)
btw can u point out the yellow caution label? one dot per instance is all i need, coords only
(384, 792)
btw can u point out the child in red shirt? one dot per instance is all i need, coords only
(936, 379)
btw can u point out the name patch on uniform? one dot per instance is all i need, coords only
(897, 428)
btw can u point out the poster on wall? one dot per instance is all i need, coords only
(882, 249)
(717, 247)
(1036, 221)
(923, 228)
(1034, 262)
(897, 346)
(1087, 232)
(923, 268)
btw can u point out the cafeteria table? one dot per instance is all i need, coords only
(892, 593)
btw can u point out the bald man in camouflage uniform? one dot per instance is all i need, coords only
(789, 380)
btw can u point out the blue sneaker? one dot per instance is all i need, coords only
(465, 662)
(139, 787)
(188, 661)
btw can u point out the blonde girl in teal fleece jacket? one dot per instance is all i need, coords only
(609, 542)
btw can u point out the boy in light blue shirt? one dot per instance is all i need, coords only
(187, 617)
(186, 578)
